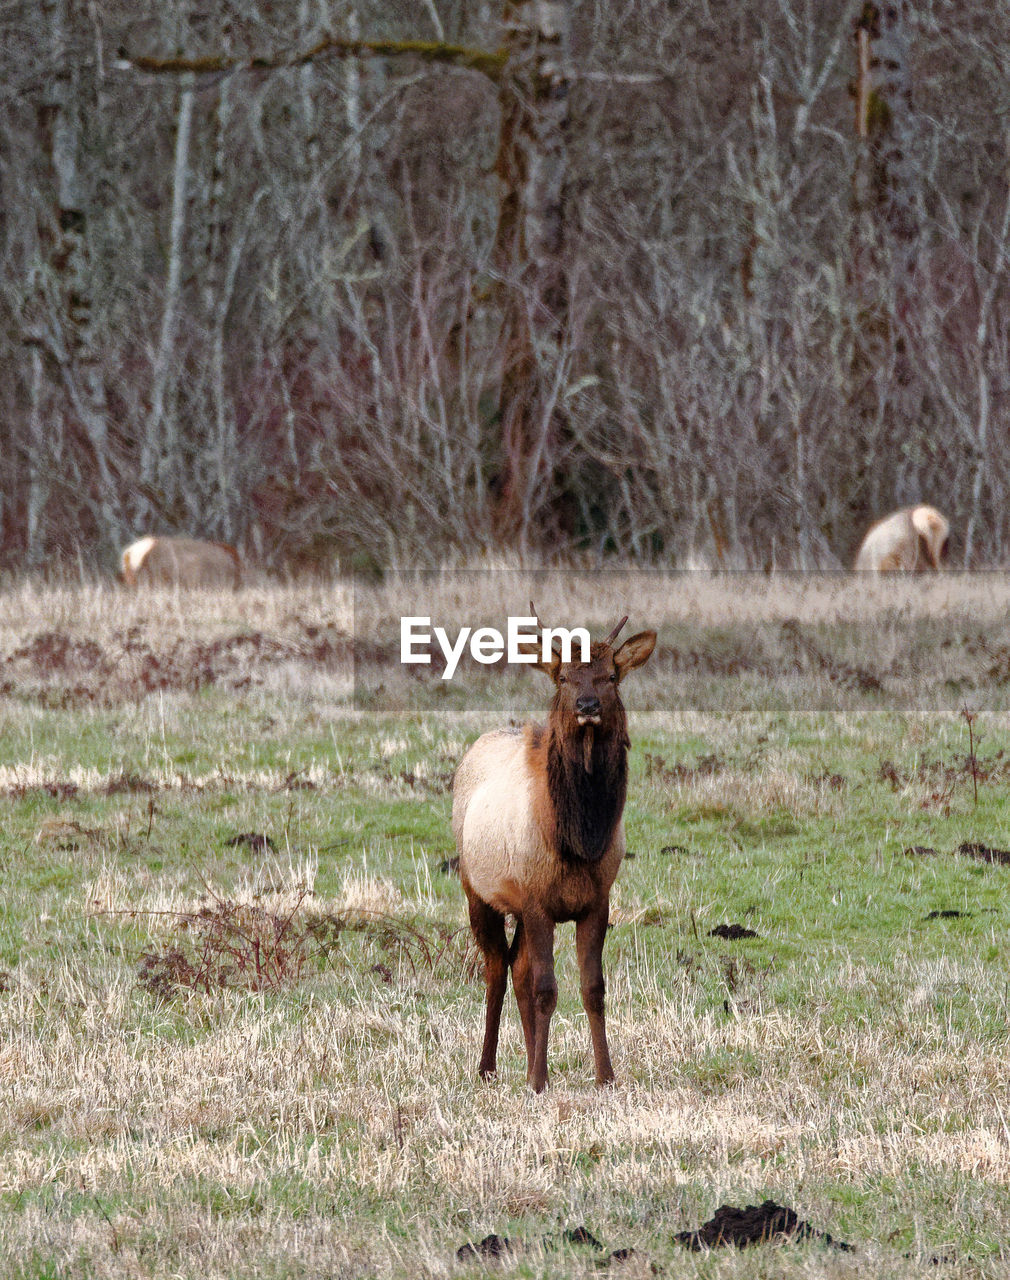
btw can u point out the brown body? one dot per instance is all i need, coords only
(912, 540)
(180, 562)
(537, 819)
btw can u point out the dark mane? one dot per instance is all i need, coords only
(586, 803)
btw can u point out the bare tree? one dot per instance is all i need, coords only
(369, 283)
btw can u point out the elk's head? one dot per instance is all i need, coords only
(587, 693)
(933, 531)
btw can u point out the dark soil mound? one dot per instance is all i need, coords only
(495, 1246)
(756, 1224)
(582, 1235)
(491, 1246)
(731, 932)
(982, 852)
(254, 840)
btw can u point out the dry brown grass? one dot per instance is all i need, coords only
(657, 599)
(259, 1099)
(333, 1125)
(458, 597)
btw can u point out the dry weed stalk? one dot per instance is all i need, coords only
(241, 945)
(969, 718)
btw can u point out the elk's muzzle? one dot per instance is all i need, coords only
(587, 709)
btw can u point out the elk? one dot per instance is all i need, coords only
(182, 562)
(536, 814)
(912, 540)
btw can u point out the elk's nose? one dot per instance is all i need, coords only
(588, 704)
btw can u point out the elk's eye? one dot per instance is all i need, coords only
(613, 676)
(562, 679)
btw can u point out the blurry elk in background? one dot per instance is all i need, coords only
(180, 562)
(912, 540)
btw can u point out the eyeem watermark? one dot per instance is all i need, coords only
(523, 641)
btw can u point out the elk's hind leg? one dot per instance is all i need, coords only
(488, 928)
(522, 984)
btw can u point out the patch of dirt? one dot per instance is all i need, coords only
(966, 849)
(129, 784)
(54, 790)
(66, 833)
(434, 784)
(53, 651)
(838, 672)
(492, 1246)
(582, 1235)
(711, 662)
(998, 670)
(254, 840)
(624, 1255)
(731, 932)
(947, 774)
(495, 1246)
(755, 1224)
(657, 768)
(60, 670)
(982, 853)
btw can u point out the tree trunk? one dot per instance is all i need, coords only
(62, 321)
(528, 259)
(886, 239)
(885, 191)
(160, 458)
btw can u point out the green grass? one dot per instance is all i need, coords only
(850, 1061)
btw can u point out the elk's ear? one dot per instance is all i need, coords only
(535, 649)
(634, 651)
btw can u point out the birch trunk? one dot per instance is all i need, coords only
(160, 460)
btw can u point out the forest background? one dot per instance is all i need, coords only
(350, 285)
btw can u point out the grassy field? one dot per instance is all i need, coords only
(241, 1012)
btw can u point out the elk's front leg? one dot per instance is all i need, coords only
(539, 946)
(590, 933)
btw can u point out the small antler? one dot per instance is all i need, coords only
(613, 635)
(533, 610)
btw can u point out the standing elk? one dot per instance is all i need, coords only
(912, 540)
(180, 562)
(536, 814)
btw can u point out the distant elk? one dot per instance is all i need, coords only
(180, 562)
(536, 814)
(911, 540)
